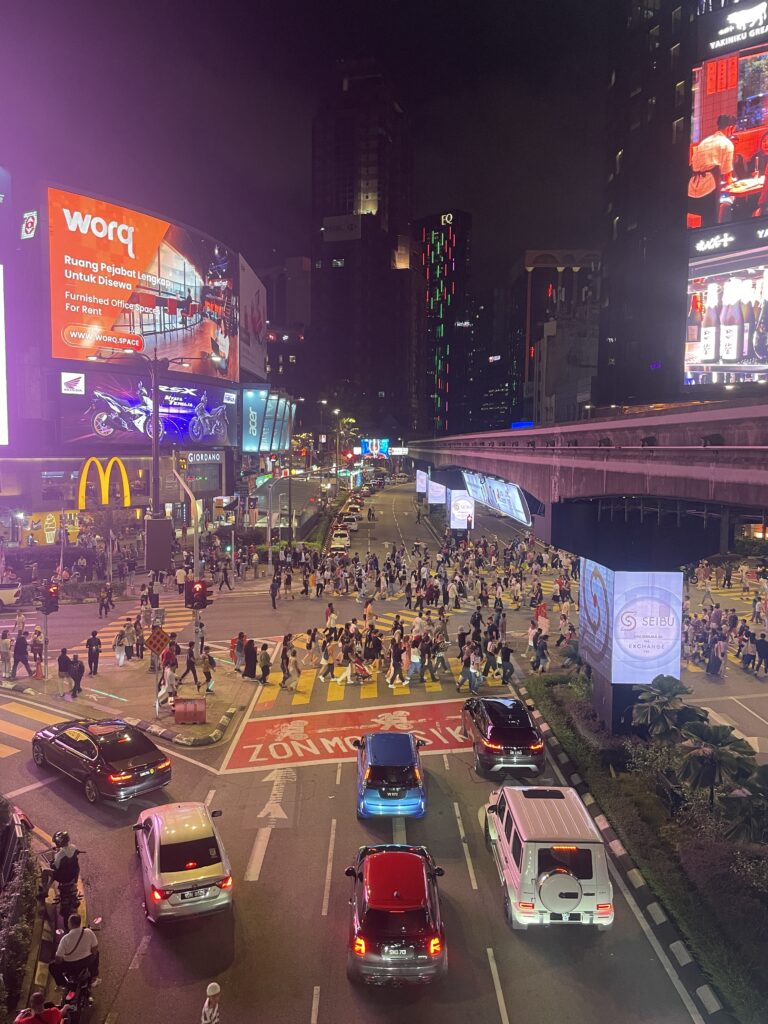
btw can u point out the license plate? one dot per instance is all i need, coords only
(147, 771)
(191, 894)
(393, 794)
(395, 952)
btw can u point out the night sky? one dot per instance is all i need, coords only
(202, 112)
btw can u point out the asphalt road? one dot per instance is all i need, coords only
(281, 956)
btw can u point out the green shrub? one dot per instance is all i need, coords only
(640, 819)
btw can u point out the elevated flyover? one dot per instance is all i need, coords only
(666, 485)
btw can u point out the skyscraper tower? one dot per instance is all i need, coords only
(445, 253)
(361, 176)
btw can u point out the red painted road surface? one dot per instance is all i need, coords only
(328, 736)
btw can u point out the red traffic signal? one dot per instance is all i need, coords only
(50, 602)
(200, 598)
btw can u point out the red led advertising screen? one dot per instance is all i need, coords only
(726, 333)
(124, 281)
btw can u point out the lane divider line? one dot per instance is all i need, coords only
(465, 847)
(503, 1015)
(329, 870)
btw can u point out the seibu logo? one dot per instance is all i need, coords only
(100, 228)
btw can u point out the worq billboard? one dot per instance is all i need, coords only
(435, 493)
(122, 281)
(630, 623)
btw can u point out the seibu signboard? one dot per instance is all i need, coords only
(329, 736)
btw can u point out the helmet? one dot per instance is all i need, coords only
(61, 839)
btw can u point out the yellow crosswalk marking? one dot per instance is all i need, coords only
(13, 707)
(305, 686)
(7, 751)
(336, 690)
(371, 688)
(267, 694)
(17, 731)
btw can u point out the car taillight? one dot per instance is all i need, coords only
(569, 849)
(358, 946)
(225, 883)
(158, 895)
(417, 776)
(118, 777)
(537, 746)
(526, 908)
(604, 909)
(162, 765)
(435, 946)
(491, 746)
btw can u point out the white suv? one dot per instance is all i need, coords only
(550, 856)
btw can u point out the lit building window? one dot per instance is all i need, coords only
(337, 263)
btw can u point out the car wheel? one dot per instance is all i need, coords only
(151, 920)
(353, 975)
(91, 791)
(38, 755)
(477, 765)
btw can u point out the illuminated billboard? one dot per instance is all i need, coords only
(122, 281)
(461, 510)
(725, 339)
(3, 372)
(500, 495)
(267, 419)
(374, 447)
(435, 493)
(116, 410)
(630, 623)
(421, 481)
(253, 322)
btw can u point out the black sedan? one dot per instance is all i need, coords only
(109, 758)
(504, 737)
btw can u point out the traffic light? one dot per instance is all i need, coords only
(200, 598)
(50, 602)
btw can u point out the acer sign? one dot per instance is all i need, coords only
(123, 281)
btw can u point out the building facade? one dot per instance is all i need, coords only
(446, 341)
(362, 315)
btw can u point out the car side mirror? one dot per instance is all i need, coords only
(421, 743)
(140, 826)
(216, 814)
(351, 872)
(491, 809)
(439, 872)
(357, 744)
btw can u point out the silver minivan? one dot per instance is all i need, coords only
(185, 870)
(550, 856)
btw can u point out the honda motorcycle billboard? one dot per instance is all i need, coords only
(116, 409)
(124, 281)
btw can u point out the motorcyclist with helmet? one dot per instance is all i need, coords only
(65, 865)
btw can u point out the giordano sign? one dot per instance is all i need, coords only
(104, 475)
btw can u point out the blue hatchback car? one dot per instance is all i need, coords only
(390, 780)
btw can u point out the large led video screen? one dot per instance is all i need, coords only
(630, 623)
(421, 481)
(122, 281)
(436, 493)
(500, 495)
(3, 372)
(110, 409)
(374, 447)
(253, 322)
(461, 510)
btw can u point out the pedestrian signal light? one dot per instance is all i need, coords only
(50, 598)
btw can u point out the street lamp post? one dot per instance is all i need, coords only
(336, 488)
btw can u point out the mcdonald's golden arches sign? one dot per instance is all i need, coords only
(104, 475)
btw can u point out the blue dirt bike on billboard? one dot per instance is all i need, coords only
(108, 413)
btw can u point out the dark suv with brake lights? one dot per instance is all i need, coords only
(504, 737)
(109, 759)
(396, 926)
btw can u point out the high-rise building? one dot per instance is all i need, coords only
(362, 315)
(445, 255)
(553, 286)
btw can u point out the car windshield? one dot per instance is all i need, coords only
(122, 744)
(507, 715)
(391, 924)
(189, 856)
(392, 775)
(575, 859)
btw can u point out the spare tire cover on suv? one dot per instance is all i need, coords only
(559, 891)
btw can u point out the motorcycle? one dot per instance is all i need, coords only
(211, 424)
(108, 413)
(77, 997)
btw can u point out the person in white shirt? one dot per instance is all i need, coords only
(211, 1013)
(77, 950)
(711, 168)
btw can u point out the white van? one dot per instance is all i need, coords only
(550, 856)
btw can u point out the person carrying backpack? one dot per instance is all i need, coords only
(208, 665)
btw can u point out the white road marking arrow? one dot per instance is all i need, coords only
(279, 777)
